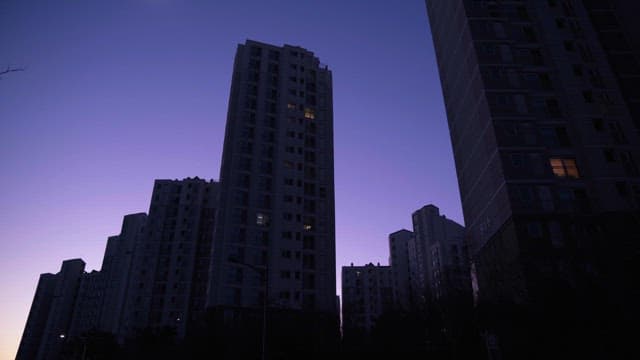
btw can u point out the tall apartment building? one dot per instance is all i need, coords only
(441, 257)
(100, 302)
(276, 210)
(51, 312)
(542, 112)
(88, 306)
(115, 272)
(367, 293)
(402, 261)
(37, 320)
(170, 262)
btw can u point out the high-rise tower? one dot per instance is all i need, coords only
(276, 211)
(540, 104)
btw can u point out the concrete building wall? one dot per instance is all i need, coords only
(37, 320)
(116, 270)
(400, 260)
(65, 293)
(88, 307)
(367, 293)
(540, 103)
(442, 263)
(169, 271)
(277, 191)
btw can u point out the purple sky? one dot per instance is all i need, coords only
(119, 93)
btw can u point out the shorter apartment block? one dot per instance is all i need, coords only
(167, 285)
(154, 275)
(402, 261)
(51, 312)
(367, 293)
(441, 255)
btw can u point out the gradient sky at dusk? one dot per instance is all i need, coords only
(118, 93)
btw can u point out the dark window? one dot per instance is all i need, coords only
(609, 155)
(598, 124)
(569, 46)
(577, 70)
(264, 183)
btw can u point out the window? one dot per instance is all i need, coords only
(564, 167)
(264, 201)
(498, 29)
(256, 51)
(244, 164)
(309, 113)
(308, 242)
(242, 197)
(621, 187)
(569, 46)
(291, 106)
(516, 160)
(534, 229)
(577, 70)
(262, 219)
(609, 155)
(553, 108)
(598, 124)
(264, 183)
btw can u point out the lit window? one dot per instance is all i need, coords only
(307, 227)
(262, 219)
(291, 106)
(309, 113)
(564, 168)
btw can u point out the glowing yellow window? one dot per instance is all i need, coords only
(564, 168)
(309, 113)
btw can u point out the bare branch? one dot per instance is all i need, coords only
(10, 69)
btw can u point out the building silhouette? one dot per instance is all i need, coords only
(37, 320)
(209, 256)
(441, 255)
(402, 260)
(367, 294)
(542, 110)
(89, 303)
(277, 200)
(116, 272)
(154, 276)
(51, 312)
(168, 280)
(273, 265)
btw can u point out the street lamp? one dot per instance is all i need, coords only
(264, 274)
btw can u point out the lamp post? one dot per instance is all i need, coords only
(264, 274)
